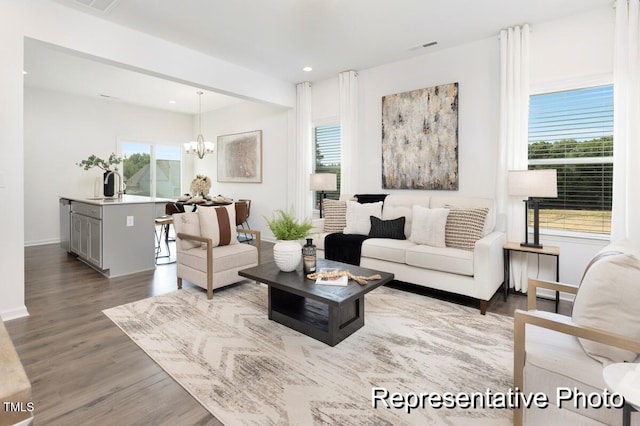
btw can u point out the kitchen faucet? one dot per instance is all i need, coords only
(121, 185)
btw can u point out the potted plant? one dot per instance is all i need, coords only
(106, 165)
(287, 251)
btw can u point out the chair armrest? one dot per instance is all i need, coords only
(256, 234)
(561, 324)
(194, 238)
(564, 324)
(534, 284)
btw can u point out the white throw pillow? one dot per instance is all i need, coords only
(359, 217)
(608, 300)
(219, 224)
(428, 226)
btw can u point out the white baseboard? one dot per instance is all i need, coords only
(14, 313)
(41, 242)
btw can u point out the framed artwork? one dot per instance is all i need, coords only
(240, 157)
(420, 139)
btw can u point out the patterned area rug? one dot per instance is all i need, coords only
(246, 369)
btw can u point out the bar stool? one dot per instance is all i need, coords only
(243, 209)
(165, 223)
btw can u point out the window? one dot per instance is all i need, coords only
(572, 131)
(328, 157)
(152, 170)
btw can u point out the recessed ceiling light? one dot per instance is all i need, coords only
(307, 69)
(24, 73)
(172, 102)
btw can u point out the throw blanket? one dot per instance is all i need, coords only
(345, 248)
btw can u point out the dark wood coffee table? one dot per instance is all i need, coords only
(327, 313)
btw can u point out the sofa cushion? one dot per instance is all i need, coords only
(187, 223)
(607, 300)
(335, 215)
(396, 205)
(464, 227)
(219, 224)
(393, 228)
(224, 257)
(561, 356)
(386, 249)
(359, 217)
(428, 226)
(447, 259)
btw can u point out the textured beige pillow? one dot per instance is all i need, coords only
(428, 226)
(609, 299)
(219, 224)
(186, 223)
(335, 215)
(464, 227)
(359, 217)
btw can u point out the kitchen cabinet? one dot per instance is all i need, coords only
(86, 232)
(114, 236)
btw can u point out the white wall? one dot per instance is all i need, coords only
(575, 49)
(61, 130)
(474, 66)
(271, 194)
(53, 23)
(572, 51)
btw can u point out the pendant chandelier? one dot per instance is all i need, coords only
(200, 147)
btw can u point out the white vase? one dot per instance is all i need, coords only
(287, 255)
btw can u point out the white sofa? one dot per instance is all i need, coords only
(477, 274)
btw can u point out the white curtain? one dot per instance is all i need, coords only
(512, 143)
(303, 151)
(349, 131)
(626, 122)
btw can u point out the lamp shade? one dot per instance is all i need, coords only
(533, 183)
(323, 182)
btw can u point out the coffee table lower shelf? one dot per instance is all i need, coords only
(329, 324)
(329, 314)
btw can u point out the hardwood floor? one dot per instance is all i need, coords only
(84, 370)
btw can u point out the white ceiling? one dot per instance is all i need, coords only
(280, 37)
(53, 68)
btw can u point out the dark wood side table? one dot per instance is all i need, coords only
(508, 247)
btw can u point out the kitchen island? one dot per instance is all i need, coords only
(115, 236)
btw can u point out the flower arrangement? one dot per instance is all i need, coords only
(200, 185)
(285, 226)
(105, 165)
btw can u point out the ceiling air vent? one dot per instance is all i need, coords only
(422, 46)
(101, 5)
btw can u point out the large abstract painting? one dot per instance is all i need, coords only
(420, 139)
(240, 157)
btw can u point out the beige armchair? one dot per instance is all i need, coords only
(550, 350)
(211, 260)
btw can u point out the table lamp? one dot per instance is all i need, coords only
(533, 184)
(322, 182)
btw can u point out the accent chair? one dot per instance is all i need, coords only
(553, 351)
(208, 252)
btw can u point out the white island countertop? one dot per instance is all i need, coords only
(125, 199)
